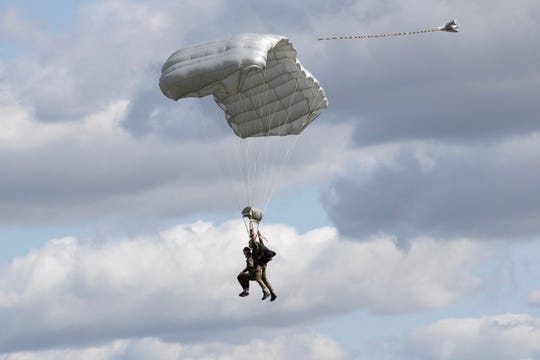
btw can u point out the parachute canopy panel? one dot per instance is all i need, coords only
(255, 78)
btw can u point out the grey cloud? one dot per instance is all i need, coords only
(476, 89)
(477, 85)
(97, 171)
(481, 192)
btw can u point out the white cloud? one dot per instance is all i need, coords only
(499, 337)
(183, 281)
(296, 344)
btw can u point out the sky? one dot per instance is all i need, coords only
(405, 219)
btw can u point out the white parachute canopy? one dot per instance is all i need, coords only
(255, 78)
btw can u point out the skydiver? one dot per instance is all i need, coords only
(252, 271)
(255, 245)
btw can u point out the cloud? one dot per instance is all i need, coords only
(95, 168)
(297, 344)
(88, 138)
(435, 86)
(445, 86)
(82, 112)
(507, 336)
(110, 52)
(183, 281)
(441, 190)
(114, 50)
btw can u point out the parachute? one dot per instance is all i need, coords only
(264, 90)
(255, 78)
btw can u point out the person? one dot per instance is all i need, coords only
(255, 245)
(252, 271)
